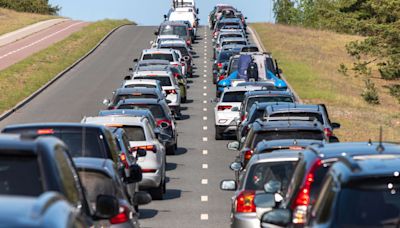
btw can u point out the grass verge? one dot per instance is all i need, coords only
(11, 20)
(22, 79)
(310, 60)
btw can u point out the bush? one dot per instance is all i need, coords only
(30, 6)
(370, 93)
(395, 91)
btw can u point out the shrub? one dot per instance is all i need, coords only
(30, 6)
(370, 93)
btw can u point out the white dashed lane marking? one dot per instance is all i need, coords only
(204, 198)
(205, 87)
(205, 109)
(205, 152)
(205, 102)
(205, 139)
(205, 81)
(204, 217)
(204, 181)
(204, 117)
(205, 128)
(205, 166)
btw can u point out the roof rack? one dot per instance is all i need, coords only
(350, 163)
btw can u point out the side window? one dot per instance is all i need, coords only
(150, 130)
(112, 144)
(323, 206)
(68, 177)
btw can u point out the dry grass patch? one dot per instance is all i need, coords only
(310, 60)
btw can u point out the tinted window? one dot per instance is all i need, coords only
(318, 116)
(231, 35)
(224, 56)
(140, 85)
(164, 80)
(168, 57)
(275, 135)
(135, 133)
(179, 30)
(262, 173)
(374, 203)
(233, 42)
(256, 115)
(133, 96)
(155, 109)
(20, 175)
(233, 96)
(253, 100)
(234, 65)
(79, 144)
(183, 50)
(250, 49)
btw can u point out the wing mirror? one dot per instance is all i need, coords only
(279, 217)
(135, 174)
(236, 166)
(233, 145)
(128, 77)
(333, 139)
(156, 33)
(136, 60)
(141, 198)
(235, 109)
(228, 185)
(335, 125)
(106, 102)
(106, 206)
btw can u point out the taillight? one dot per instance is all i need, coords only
(248, 154)
(45, 132)
(189, 42)
(303, 198)
(122, 156)
(149, 170)
(219, 65)
(245, 202)
(244, 117)
(221, 77)
(148, 148)
(164, 123)
(122, 217)
(328, 132)
(176, 75)
(170, 91)
(224, 107)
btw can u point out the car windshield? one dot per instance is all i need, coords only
(317, 116)
(81, 144)
(250, 49)
(234, 65)
(179, 30)
(237, 96)
(164, 80)
(262, 173)
(133, 96)
(161, 56)
(294, 134)
(374, 203)
(18, 172)
(240, 42)
(135, 133)
(155, 109)
(253, 100)
(140, 85)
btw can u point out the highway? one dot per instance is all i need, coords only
(193, 197)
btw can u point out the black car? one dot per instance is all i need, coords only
(186, 55)
(30, 166)
(132, 93)
(222, 58)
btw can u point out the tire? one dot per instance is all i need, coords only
(218, 135)
(184, 99)
(158, 193)
(171, 150)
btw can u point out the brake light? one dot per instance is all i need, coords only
(245, 202)
(248, 154)
(303, 198)
(190, 29)
(176, 75)
(164, 123)
(219, 65)
(122, 156)
(188, 42)
(148, 148)
(122, 217)
(328, 132)
(244, 117)
(149, 170)
(170, 91)
(224, 107)
(45, 131)
(175, 65)
(221, 77)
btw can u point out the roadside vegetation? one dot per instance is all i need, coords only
(31, 6)
(310, 60)
(22, 79)
(11, 20)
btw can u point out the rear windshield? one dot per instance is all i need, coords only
(135, 133)
(231, 35)
(20, 175)
(253, 100)
(132, 96)
(228, 24)
(276, 135)
(224, 56)
(164, 80)
(233, 42)
(250, 49)
(179, 30)
(183, 50)
(161, 56)
(234, 65)
(233, 96)
(318, 116)
(140, 85)
(155, 109)
(262, 173)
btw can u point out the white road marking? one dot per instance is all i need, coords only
(205, 94)
(204, 117)
(204, 181)
(204, 166)
(40, 40)
(205, 152)
(205, 71)
(205, 139)
(205, 76)
(205, 81)
(204, 217)
(205, 109)
(205, 66)
(205, 87)
(205, 62)
(205, 128)
(205, 102)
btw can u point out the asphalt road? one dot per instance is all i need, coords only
(193, 197)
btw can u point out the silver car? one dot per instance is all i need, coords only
(261, 169)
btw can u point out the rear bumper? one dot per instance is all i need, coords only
(150, 180)
(245, 220)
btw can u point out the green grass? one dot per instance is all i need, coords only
(22, 79)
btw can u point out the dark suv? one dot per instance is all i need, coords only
(30, 167)
(132, 93)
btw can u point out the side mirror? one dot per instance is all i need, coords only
(264, 202)
(272, 186)
(333, 139)
(141, 153)
(280, 71)
(168, 102)
(228, 185)
(106, 206)
(106, 102)
(235, 109)
(141, 198)
(135, 174)
(335, 125)
(165, 16)
(236, 166)
(156, 33)
(278, 217)
(136, 60)
(233, 145)
(128, 77)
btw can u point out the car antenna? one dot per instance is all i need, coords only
(369, 142)
(380, 148)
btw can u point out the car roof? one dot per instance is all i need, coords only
(153, 68)
(139, 101)
(158, 50)
(233, 39)
(18, 144)
(373, 165)
(56, 125)
(230, 20)
(114, 120)
(240, 88)
(178, 23)
(136, 90)
(172, 44)
(153, 61)
(151, 73)
(278, 155)
(283, 125)
(295, 107)
(268, 93)
(264, 144)
(128, 112)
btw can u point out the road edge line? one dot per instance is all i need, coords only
(25, 101)
(261, 46)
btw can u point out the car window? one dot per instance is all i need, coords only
(317, 116)
(140, 85)
(297, 134)
(134, 96)
(161, 56)
(253, 100)
(237, 96)
(88, 144)
(18, 172)
(324, 203)
(234, 65)
(155, 109)
(224, 56)
(181, 31)
(164, 80)
(135, 133)
(233, 42)
(262, 173)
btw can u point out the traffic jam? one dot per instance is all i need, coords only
(291, 170)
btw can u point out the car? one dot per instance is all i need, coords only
(228, 41)
(214, 15)
(32, 165)
(173, 56)
(319, 112)
(141, 136)
(147, 63)
(169, 84)
(132, 93)
(222, 35)
(55, 212)
(227, 110)
(146, 83)
(218, 64)
(267, 94)
(262, 169)
(226, 22)
(359, 191)
(163, 115)
(160, 38)
(275, 130)
(99, 177)
(310, 171)
(83, 140)
(175, 28)
(187, 56)
(184, 14)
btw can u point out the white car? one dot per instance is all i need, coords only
(184, 16)
(141, 136)
(161, 38)
(146, 83)
(173, 56)
(169, 85)
(227, 110)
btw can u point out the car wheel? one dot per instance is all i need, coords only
(218, 135)
(171, 150)
(184, 99)
(157, 193)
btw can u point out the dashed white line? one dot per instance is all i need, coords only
(205, 139)
(204, 102)
(205, 81)
(205, 128)
(205, 71)
(204, 166)
(205, 152)
(205, 62)
(204, 117)
(205, 94)
(204, 87)
(204, 217)
(205, 109)
(204, 181)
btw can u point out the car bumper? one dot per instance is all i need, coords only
(225, 129)
(245, 220)
(150, 180)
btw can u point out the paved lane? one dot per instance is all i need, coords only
(193, 197)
